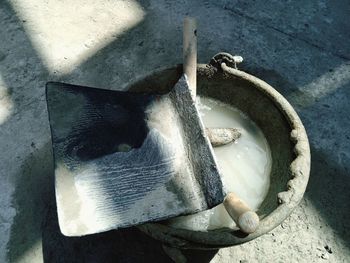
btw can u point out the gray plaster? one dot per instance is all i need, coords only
(300, 47)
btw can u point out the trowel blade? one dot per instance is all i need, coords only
(124, 158)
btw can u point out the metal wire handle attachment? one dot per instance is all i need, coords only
(226, 58)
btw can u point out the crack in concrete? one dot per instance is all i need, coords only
(305, 41)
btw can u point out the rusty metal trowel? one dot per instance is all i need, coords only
(124, 158)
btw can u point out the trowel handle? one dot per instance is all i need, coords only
(246, 219)
(190, 53)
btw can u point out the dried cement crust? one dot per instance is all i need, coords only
(286, 136)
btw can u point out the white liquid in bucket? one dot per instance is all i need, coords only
(245, 165)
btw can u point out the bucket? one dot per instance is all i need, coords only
(282, 128)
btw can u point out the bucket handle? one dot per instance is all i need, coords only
(226, 58)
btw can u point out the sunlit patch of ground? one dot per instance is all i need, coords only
(66, 33)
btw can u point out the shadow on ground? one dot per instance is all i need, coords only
(33, 187)
(126, 245)
(36, 220)
(328, 189)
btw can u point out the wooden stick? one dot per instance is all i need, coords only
(222, 136)
(190, 53)
(246, 219)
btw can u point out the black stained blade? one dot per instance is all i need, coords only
(122, 158)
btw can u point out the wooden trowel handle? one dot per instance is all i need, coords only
(190, 53)
(246, 219)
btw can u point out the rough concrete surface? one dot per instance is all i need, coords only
(300, 47)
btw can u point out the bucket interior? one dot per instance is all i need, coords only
(255, 104)
(283, 131)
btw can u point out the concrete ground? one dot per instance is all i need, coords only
(300, 47)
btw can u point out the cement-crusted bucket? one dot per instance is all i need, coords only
(282, 128)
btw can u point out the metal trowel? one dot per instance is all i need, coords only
(124, 158)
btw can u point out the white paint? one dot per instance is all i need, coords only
(66, 33)
(75, 215)
(245, 165)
